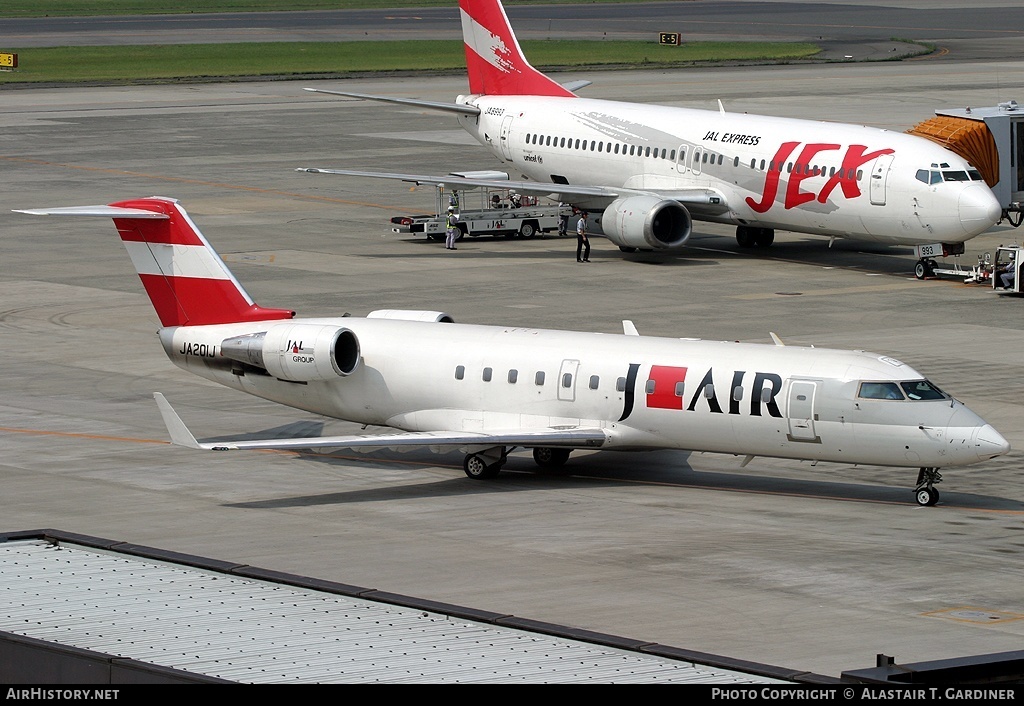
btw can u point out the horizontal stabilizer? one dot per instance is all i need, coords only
(100, 210)
(568, 437)
(431, 105)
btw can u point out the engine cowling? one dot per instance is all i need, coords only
(297, 352)
(411, 315)
(647, 222)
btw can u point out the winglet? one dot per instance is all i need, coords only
(628, 328)
(180, 435)
(778, 341)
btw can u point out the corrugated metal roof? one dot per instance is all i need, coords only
(247, 630)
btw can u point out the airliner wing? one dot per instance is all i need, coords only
(572, 437)
(562, 192)
(461, 108)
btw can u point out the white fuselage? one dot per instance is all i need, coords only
(644, 392)
(807, 176)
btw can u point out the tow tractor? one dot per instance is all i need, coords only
(1007, 262)
(479, 211)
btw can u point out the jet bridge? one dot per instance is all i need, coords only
(992, 140)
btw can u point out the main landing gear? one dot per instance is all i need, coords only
(751, 237)
(484, 465)
(924, 493)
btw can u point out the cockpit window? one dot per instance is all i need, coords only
(880, 391)
(955, 176)
(975, 175)
(922, 390)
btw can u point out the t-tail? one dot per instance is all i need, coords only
(494, 59)
(186, 279)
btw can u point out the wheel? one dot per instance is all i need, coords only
(462, 233)
(927, 497)
(763, 237)
(527, 230)
(745, 236)
(920, 271)
(626, 249)
(478, 469)
(550, 458)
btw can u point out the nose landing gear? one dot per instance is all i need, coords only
(924, 493)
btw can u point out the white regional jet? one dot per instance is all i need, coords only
(647, 171)
(487, 389)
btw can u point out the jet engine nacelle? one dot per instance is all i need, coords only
(647, 222)
(297, 352)
(411, 315)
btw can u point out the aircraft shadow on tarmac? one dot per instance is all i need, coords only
(662, 468)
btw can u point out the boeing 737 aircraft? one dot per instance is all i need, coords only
(647, 171)
(485, 390)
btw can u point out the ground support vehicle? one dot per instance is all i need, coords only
(497, 212)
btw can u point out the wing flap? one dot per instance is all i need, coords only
(571, 437)
(524, 187)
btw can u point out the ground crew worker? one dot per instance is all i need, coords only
(581, 239)
(452, 229)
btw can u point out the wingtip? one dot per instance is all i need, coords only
(179, 433)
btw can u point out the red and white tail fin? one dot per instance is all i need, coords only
(185, 278)
(494, 60)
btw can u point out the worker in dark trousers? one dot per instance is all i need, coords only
(582, 255)
(452, 229)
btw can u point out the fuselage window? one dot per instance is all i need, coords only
(704, 158)
(680, 386)
(860, 174)
(567, 380)
(594, 382)
(487, 374)
(762, 165)
(620, 384)
(880, 391)
(672, 155)
(632, 150)
(753, 164)
(513, 376)
(600, 146)
(528, 136)
(616, 148)
(789, 167)
(538, 379)
(577, 144)
(719, 160)
(460, 372)
(561, 143)
(592, 143)
(736, 161)
(663, 153)
(922, 390)
(650, 387)
(737, 393)
(647, 152)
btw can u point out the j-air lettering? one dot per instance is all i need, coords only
(665, 391)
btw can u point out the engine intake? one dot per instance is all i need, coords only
(647, 222)
(297, 352)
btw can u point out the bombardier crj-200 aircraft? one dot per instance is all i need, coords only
(647, 171)
(488, 389)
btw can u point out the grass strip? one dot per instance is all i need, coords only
(194, 61)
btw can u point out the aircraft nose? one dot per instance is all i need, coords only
(990, 443)
(979, 209)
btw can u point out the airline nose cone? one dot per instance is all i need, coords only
(979, 209)
(990, 443)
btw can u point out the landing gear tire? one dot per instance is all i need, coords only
(745, 237)
(546, 457)
(925, 494)
(924, 268)
(764, 237)
(477, 468)
(627, 249)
